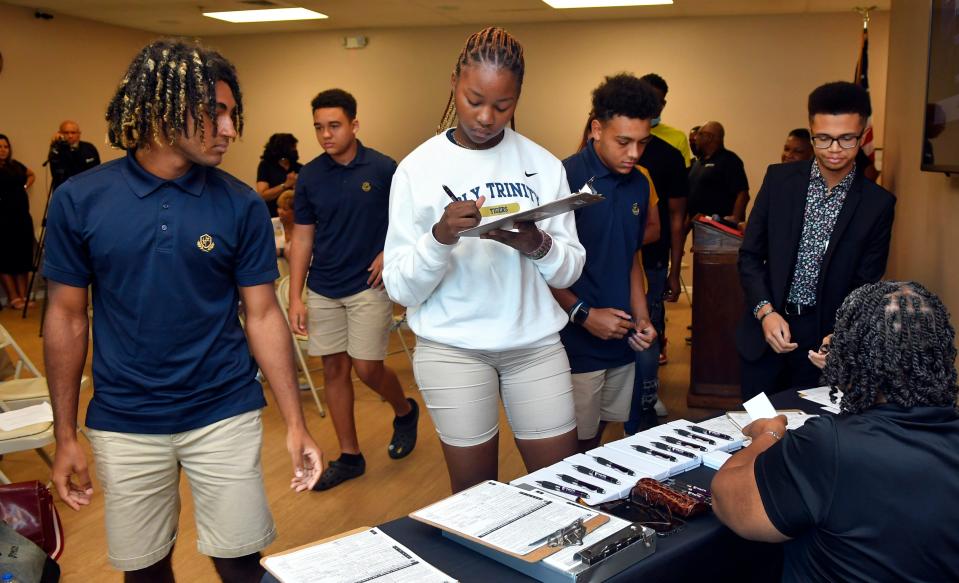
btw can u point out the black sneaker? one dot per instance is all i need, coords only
(338, 472)
(404, 433)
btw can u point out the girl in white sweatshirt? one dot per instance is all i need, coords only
(481, 308)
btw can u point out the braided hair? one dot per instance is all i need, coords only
(490, 46)
(167, 83)
(892, 339)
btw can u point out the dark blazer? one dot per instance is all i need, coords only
(856, 254)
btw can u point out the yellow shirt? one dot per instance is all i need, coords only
(653, 197)
(674, 138)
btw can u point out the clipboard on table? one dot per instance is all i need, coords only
(541, 548)
(267, 561)
(588, 196)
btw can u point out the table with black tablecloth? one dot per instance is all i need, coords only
(704, 550)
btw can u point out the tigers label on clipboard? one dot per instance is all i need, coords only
(504, 216)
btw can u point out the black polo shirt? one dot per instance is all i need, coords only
(714, 184)
(349, 205)
(165, 259)
(867, 497)
(667, 168)
(274, 174)
(66, 161)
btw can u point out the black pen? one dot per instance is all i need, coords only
(653, 452)
(685, 433)
(677, 441)
(562, 489)
(580, 483)
(621, 469)
(595, 474)
(672, 449)
(704, 431)
(450, 194)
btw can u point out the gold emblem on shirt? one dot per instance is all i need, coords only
(205, 243)
(636, 208)
(366, 186)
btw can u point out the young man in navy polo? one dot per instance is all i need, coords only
(609, 319)
(169, 245)
(341, 211)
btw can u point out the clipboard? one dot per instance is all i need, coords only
(308, 545)
(548, 210)
(534, 556)
(392, 542)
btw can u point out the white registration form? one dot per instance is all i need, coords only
(503, 516)
(370, 555)
(820, 395)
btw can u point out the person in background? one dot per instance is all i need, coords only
(341, 211)
(717, 181)
(486, 324)
(170, 245)
(607, 308)
(672, 136)
(869, 494)
(817, 232)
(693, 148)
(278, 169)
(68, 155)
(798, 146)
(16, 226)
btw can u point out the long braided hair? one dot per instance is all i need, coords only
(490, 46)
(167, 83)
(892, 338)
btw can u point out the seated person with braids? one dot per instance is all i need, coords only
(867, 495)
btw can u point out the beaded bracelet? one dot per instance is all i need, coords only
(543, 248)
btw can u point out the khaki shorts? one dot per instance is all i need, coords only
(358, 324)
(461, 389)
(140, 477)
(602, 395)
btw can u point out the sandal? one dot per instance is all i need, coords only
(17, 303)
(404, 434)
(338, 472)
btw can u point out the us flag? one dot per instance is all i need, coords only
(862, 79)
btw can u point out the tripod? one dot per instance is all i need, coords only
(38, 255)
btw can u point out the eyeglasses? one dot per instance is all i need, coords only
(846, 141)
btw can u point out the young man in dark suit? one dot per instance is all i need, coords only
(818, 230)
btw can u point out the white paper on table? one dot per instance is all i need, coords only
(820, 395)
(794, 419)
(503, 516)
(639, 466)
(759, 407)
(833, 409)
(371, 555)
(723, 425)
(39, 413)
(716, 459)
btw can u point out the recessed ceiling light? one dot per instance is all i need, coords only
(562, 4)
(267, 15)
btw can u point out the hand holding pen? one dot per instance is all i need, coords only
(458, 216)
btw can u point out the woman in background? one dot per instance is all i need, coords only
(16, 226)
(278, 169)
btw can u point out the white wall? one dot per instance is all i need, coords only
(751, 73)
(927, 210)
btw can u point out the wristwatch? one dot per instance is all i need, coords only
(580, 314)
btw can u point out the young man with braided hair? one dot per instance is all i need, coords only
(870, 494)
(485, 321)
(170, 245)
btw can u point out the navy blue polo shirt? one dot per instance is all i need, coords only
(349, 205)
(165, 259)
(612, 233)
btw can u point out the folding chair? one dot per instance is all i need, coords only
(21, 391)
(397, 326)
(299, 342)
(33, 437)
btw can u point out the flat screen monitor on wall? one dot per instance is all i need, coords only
(940, 144)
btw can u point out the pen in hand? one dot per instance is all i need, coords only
(450, 194)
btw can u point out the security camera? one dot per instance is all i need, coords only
(39, 14)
